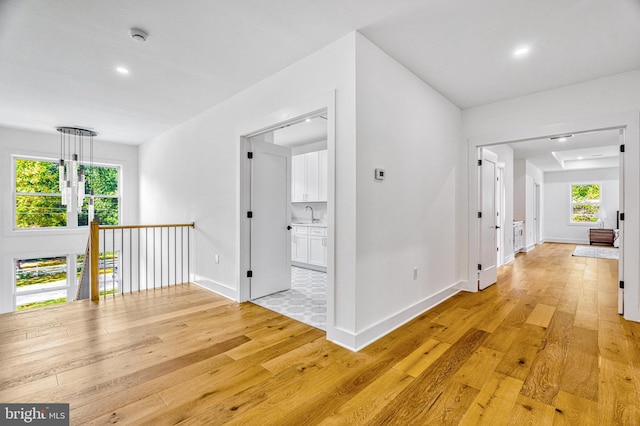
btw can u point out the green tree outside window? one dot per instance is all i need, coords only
(585, 202)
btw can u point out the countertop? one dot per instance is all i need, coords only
(316, 224)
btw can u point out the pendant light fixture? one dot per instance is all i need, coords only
(72, 167)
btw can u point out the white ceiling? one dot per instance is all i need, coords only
(305, 132)
(591, 150)
(57, 57)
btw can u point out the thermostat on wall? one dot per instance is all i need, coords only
(380, 174)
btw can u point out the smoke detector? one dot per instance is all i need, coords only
(138, 35)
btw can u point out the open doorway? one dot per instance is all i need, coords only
(300, 292)
(564, 188)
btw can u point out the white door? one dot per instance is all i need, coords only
(487, 268)
(621, 189)
(500, 208)
(271, 211)
(536, 214)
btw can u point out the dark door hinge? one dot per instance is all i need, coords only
(249, 274)
(479, 162)
(622, 148)
(479, 215)
(249, 214)
(621, 284)
(621, 216)
(479, 267)
(249, 155)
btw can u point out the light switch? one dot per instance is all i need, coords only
(379, 174)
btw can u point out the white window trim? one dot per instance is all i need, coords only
(570, 198)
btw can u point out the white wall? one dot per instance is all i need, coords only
(405, 221)
(557, 203)
(35, 243)
(382, 230)
(191, 173)
(611, 102)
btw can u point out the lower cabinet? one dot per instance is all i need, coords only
(309, 245)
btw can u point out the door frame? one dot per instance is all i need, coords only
(500, 209)
(627, 121)
(262, 124)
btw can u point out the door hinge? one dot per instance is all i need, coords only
(479, 215)
(621, 216)
(249, 214)
(621, 284)
(479, 162)
(479, 267)
(249, 155)
(622, 148)
(249, 274)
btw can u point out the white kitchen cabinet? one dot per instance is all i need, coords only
(309, 246)
(518, 236)
(300, 244)
(324, 171)
(309, 177)
(298, 178)
(318, 246)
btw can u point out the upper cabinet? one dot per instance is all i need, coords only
(309, 177)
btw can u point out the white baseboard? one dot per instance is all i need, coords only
(358, 341)
(566, 241)
(509, 258)
(528, 248)
(216, 287)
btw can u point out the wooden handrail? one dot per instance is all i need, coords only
(164, 249)
(95, 253)
(170, 225)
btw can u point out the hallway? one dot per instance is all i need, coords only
(543, 346)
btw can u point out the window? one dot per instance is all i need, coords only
(38, 198)
(41, 282)
(585, 202)
(38, 202)
(104, 183)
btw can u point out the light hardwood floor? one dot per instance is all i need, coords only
(543, 346)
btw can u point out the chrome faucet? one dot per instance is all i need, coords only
(313, 219)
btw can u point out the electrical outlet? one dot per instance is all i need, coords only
(415, 273)
(217, 259)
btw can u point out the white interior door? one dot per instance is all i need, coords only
(487, 268)
(500, 209)
(270, 222)
(621, 191)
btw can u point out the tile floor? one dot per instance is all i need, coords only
(305, 302)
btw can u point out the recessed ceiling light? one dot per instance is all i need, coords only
(307, 120)
(521, 51)
(580, 158)
(562, 138)
(122, 70)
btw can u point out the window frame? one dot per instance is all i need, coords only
(72, 216)
(570, 196)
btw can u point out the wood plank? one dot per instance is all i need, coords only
(494, 404)
(415, 401)
(543, 381)
(544, 345)
(541, 315)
